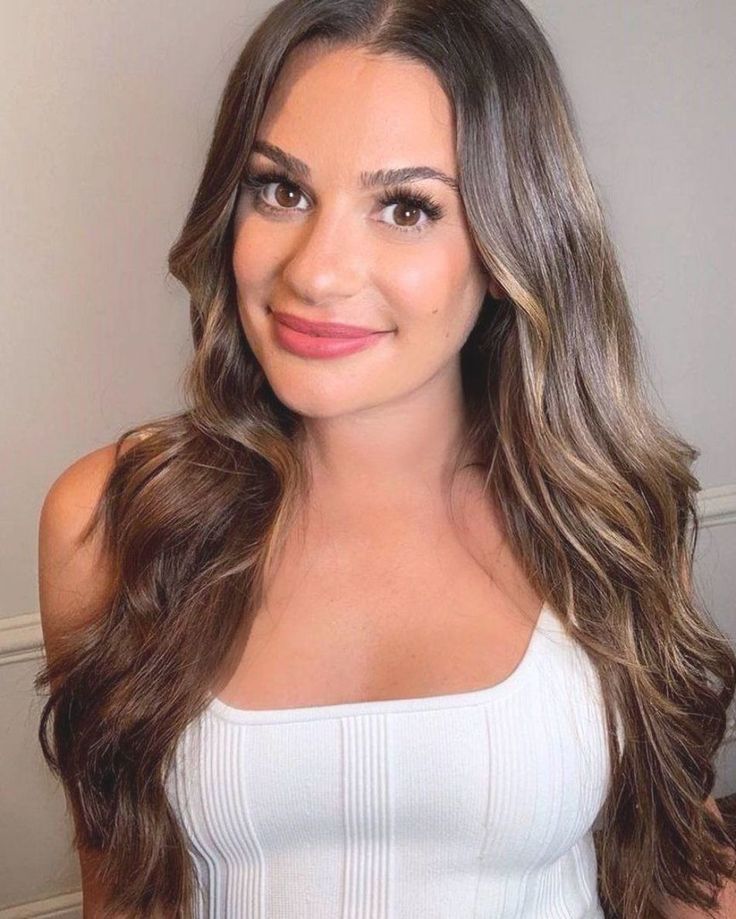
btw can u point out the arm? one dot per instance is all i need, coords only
(73, 584)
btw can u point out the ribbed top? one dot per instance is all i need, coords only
(456, 806)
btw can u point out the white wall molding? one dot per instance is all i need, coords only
(63, 906)
(717, 506)
(21, 638)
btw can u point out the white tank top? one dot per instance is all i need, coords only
(472, 805)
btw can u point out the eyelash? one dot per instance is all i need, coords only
(255, 181)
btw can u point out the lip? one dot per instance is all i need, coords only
(306, 345)
(332, 330)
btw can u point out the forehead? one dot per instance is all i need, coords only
(345, 111)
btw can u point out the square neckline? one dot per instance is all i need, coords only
(518, 676)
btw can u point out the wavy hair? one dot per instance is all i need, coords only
(598, 495)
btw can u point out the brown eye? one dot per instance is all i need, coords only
(259, 185)
(288, 197)
(407, 207)
(405, 213)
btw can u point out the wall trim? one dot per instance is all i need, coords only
(21, 638)
(63, 906)
(717, 506)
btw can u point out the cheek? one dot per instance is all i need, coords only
(249, 265)
(255, 255)
(436, 292)
(253, 275)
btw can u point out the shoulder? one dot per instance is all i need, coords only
(73, 495)
(74, 574)
(78, 486)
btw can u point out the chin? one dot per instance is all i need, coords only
(332, 403)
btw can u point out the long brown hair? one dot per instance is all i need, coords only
(598, 495)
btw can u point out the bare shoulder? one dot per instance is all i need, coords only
(74, 576)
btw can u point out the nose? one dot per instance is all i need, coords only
(327, 259)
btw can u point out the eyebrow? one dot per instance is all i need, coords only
(367, 179)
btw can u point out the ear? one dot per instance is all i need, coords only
(495, 289)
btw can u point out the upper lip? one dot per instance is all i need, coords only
(323, 329)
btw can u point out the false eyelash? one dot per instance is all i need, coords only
(393, 195)
(422, 200)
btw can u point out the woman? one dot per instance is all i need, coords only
(395, 619)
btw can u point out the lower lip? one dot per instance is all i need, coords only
(316, 346)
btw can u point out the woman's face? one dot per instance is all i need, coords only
(321, 247)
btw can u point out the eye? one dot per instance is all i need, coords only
(257, 182)
(410, 200)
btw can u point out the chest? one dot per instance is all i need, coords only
(451, 807)
(409, 607)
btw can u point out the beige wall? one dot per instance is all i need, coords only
(105, 112)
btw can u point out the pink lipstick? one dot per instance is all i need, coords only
(307, 338)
